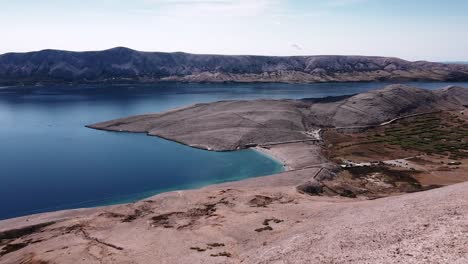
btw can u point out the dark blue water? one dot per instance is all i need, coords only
(50, 161)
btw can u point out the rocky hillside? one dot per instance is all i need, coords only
(126, 65)
(378, 106)
(229, 125)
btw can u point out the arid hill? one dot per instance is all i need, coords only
(230, 125)
(126, 65)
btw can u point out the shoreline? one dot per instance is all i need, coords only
(262, 151)
(242, 224)
(275, 180)
(310, 211)
(274, 156)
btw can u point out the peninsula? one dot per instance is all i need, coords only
(372, 178)
(123, 65)
(231, 125)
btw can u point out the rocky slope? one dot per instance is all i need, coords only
(126, 65)
(229, 125)
(261, 220)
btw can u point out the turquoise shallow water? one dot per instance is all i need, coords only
(50, 161)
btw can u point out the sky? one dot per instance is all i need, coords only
(414, 30)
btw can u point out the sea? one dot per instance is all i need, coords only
(50, 161)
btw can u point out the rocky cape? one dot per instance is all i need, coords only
(230, 125)
(123, 65)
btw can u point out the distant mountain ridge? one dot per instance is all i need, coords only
(127, 65)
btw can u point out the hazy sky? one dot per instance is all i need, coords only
(410, 29)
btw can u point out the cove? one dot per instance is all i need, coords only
(49, 161)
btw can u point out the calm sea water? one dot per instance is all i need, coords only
(50, 161)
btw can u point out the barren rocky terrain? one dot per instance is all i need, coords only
(230, 125)
(363, 185)
(262, 220)
(126, 65)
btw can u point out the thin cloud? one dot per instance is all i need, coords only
(296, 46)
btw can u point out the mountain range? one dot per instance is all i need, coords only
(119, 65)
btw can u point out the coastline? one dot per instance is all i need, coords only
(298, 214)
(277, 155)
(130, 200)
(247, 221)
(274, 156)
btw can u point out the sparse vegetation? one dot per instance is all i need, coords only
(12, 247)
(442, 134)
(266, 222)
(222, 254)
(436, 142)
(438, 133)
(266, 228)
(215, 245)
(389, 176)
(199, 249)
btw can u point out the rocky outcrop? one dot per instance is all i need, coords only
(230, 125)
(126, 65)
(378, 106)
